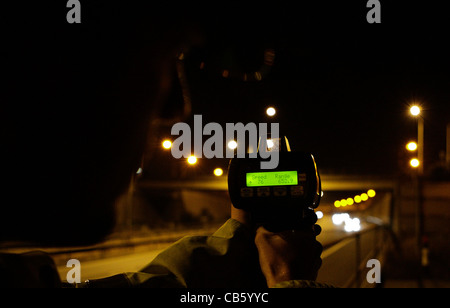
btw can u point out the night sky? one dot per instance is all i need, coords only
(342, 87)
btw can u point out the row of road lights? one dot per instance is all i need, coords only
(416, 162)
(192, 160)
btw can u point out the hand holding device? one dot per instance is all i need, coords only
(279, 199)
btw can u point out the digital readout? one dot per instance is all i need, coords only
(277, 178)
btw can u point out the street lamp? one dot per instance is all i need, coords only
(415, 163)
(232, 144)
(271, 111)
(167, 144)
(192, 160)
(218, 172)
(419, 163)
(412, 146)
(416, 111)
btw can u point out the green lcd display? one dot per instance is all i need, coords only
(277, 178)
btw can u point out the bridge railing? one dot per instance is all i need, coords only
(344, 262)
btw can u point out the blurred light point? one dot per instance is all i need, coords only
(344, 203)
(352, 225)
(337, 203)
(412, 146)
(319, 214)
(371, 193)
(338, 219)
(350, 201)
(270, 143)
(358, 199)
(232, 144)
(192, 160)
(415, 110)
(364, 197)
(218, 172)
(167, 144)
(414, 163)
(270, 111)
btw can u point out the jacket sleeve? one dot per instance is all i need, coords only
(228, 258)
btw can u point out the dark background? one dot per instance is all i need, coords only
(77, 99)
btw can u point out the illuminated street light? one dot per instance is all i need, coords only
(271, 111)
(192, 160)
(218, 172)
(412, 146)
(415, 163)
(232, 145)
(415, 110)
(371, 193)
(418, 163)
(167, 144)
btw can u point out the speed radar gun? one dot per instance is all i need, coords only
(279, 199)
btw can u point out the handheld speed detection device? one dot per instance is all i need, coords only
(279, 198)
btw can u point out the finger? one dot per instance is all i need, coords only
(317, 229)
(309, 217)
(262, 233)
(298, 235)
(317, 265)
(318, 248)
